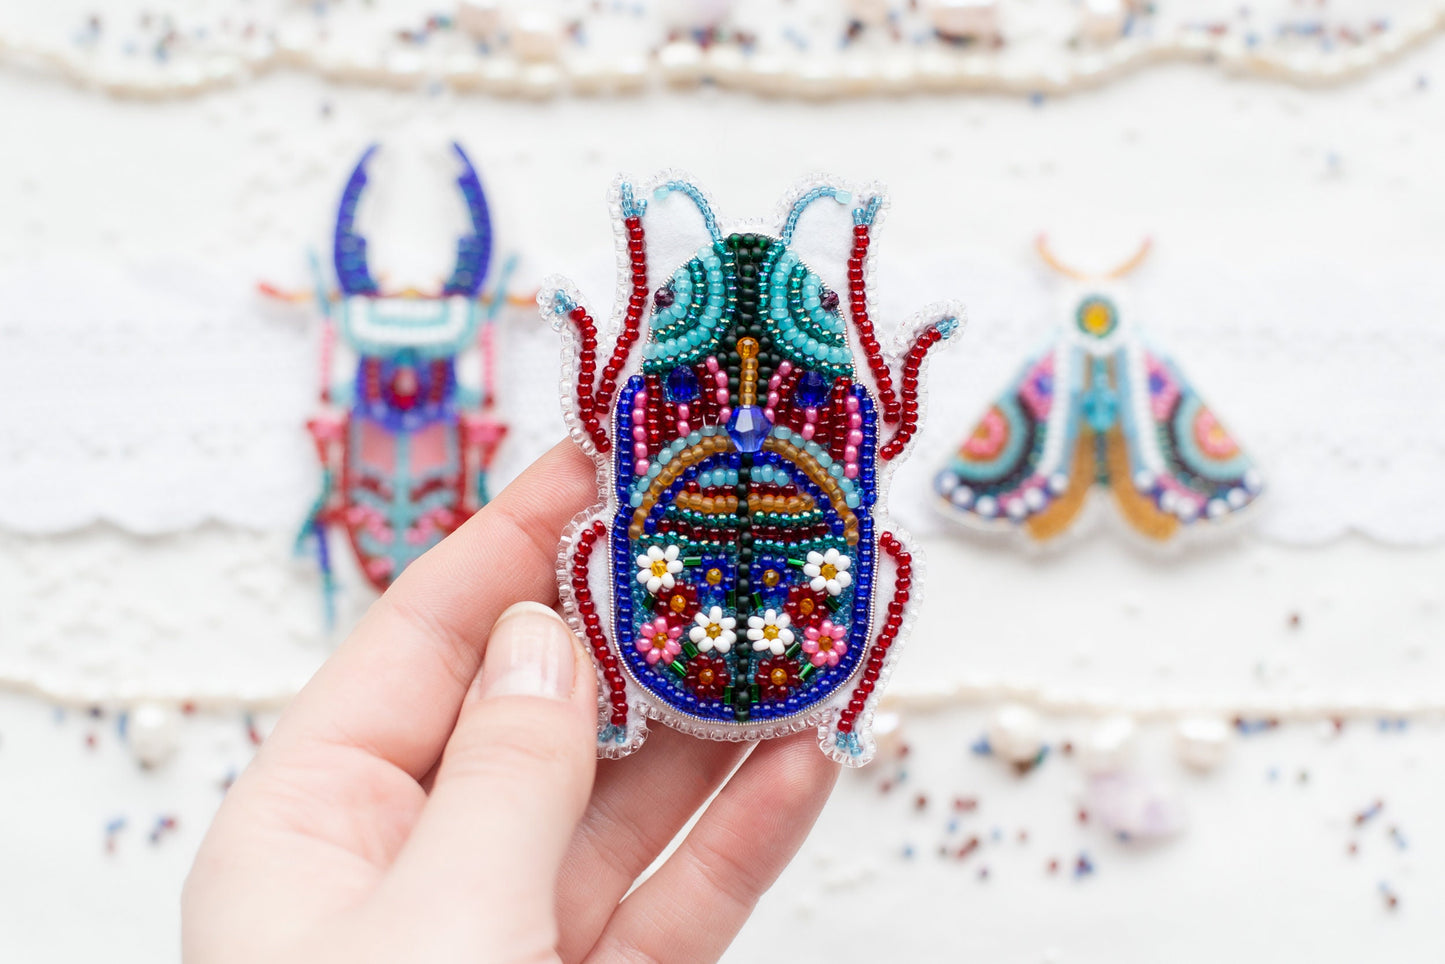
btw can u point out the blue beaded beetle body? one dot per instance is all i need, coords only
(752, 588)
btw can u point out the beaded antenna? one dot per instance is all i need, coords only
(1098, 411)
(408, 427)
(740, 579)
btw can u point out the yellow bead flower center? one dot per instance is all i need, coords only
(713, 630)
(828, 571)
(1097, 318)
(706, 676)
(659, 568)
(659, 641)
(778, 677)
(678, 603)
(805, 605)
(771, 577)
(770, 632)
(714, 576)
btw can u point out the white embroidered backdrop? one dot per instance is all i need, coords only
(153, 467)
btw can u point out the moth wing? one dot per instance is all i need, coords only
(1177, 457)
(1021, 466)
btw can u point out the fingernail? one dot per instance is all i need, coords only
(530, 653)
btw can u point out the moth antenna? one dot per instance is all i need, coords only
(1041, 245)
(799, 206)
(1137, 259)
(663, 190)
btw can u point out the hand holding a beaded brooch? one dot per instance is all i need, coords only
(433, 794)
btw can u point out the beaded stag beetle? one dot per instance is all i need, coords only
(1098, 411)
(408, 429)
(740, 580)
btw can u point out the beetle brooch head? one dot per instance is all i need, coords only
(740, 580)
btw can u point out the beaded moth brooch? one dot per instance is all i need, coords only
(408, 428)
(1098, 409)
(740, 579)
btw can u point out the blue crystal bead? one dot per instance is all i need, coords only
(812, 389)
(682, 384)
(748, 428)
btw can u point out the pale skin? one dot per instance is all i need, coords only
(433, 793)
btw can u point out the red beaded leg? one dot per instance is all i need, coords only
(892, 625)
(592, 623)
(594, 425)
(912, 365)
(632, 324)
(858, 303)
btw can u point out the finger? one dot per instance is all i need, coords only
(638, 805)
(694, 905)
(394, 687)
(512, 784)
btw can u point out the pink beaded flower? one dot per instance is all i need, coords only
(658, 641)
(825, 643)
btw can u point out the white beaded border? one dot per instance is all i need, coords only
(970, 692)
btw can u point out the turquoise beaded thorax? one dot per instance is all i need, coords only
(739, 581)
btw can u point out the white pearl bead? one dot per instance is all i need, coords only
(481, 19)
(536, 37)
(695, 14)
(972, 19)
(1134, 807)
(154, 733)
(1015, 734)
(870, 13)
(1107, 745)
(681, 62)
(1201, 742)
(1102, 21)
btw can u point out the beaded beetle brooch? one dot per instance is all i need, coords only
(408, 428)
(1098, 410)
(740, 580)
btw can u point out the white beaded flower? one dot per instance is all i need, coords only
(713, 631)
(770, 632)
(828, 570)
(657, 569)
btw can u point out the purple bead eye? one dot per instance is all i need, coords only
(829, 300)
(664, 297)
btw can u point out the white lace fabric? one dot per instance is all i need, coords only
(160, 398)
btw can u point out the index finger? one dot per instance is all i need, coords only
(394, 687)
